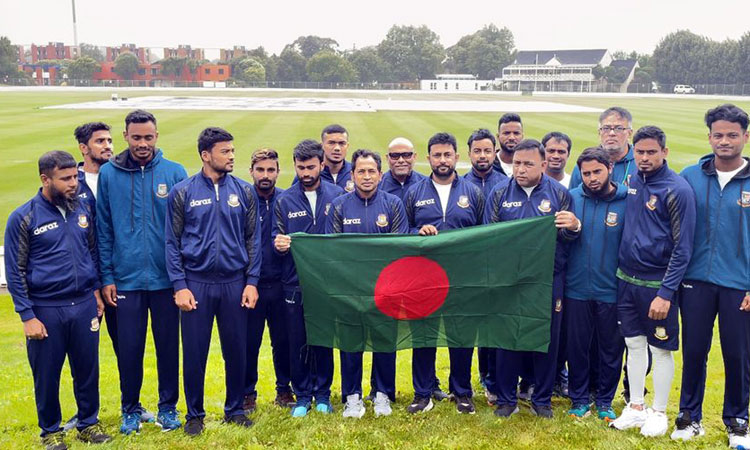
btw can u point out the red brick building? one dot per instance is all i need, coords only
(184, 51)
(53, 50)
(143, 54)
(152, 72)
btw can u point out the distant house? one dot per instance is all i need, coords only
(454, 82)
(629, 66)
(557, 70)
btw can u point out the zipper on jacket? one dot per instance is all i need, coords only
(217, 236)
(712, 232)
(70, 249)
(143, 218)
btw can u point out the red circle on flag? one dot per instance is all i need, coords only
(412, 287)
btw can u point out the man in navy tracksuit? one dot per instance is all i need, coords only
(443, 201)
(657, 242)
(59, 308)
(615, 131)
(336, 169)
(213, 260)
(264, 169)
(591, 286)
(130, 214)
(530, 193)
(401, 176)
(509, 134)
(304, 207)
(367, 210)
(482, 145)
(717, 280)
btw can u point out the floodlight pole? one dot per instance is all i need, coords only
(75, 30)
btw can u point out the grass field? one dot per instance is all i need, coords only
(26, 131)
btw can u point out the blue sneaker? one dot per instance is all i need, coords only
(167, 420)
(146, 415)
(131, 423)
(579, 411)
(606, 413)
(300, 410)
(324, 407)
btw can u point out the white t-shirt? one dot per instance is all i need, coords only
(444, 191)
(528, 190)
(566, 180)
(725, 177)
(216, 188)
(335, 176)
(312, 197)
(62, 211)
(91, 180)
(507, 168)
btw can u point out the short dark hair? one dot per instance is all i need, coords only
(558, 136)
(84, 132)
(442, 138)
(620, 111)
(333, 129)
(651, 132)
(597, 154)
(211, 136)
(727, 112)
(56, 159)
(531, 144)
(508, 118)
(364, 153)
(139, 116)
(308, 149)
(263, 154)
(481, 134)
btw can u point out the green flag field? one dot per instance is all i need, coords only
(27, 130)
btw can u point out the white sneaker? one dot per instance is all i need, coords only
(382, 405)
(656, 424)
(739, 441)
(355, 407)
(694, 429)
(629, 418)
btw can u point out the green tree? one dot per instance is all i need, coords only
(172, 66)
(483, 53)
(743, 58)
(126, 65)
(413, 53)
(291, 65)
(680, 58)
(328, 66)
(8, 59)
(82, 68)
(311, 45)
(369, 65)
(250, 70)
(92, 51)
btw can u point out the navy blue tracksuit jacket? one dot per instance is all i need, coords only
(487, 183)
(392, 186)
(622, 172)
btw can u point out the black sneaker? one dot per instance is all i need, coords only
(439, 395)
(54, 441)
(464, 405)
(249, 403)
(94, 434)
(420, 404)
(561, 389)
(285, 399)
(506, 411)
(542, 411)
(525, 391)
(194, 426)
(240, 419)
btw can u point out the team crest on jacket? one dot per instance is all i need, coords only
(660, 333)
(611, 219)
(558, 305)
(463, 201)
(651, 203)
(83, 221)
(744, 200)
(545, 206)
(94, 324)
(234, 200)
(382, 221)
(349, 186)
(161, 190)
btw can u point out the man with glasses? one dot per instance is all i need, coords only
(401, 157)
(615, 131)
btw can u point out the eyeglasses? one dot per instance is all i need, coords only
(607, 129)
(397, 156)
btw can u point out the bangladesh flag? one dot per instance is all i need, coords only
(485, 286)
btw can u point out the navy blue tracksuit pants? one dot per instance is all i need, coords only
(311, 366)
(423, 371)
(383, 376)
(487, 357)
(590, 322)
(110, 316)
(223, 301)
(510, 364)
(73, 331)
(700, 302)
(270, 307)
(132, 319)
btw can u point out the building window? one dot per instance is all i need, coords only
(456, 86)
(207, 71)
(221, 71)
(154, 71)
(141, 71)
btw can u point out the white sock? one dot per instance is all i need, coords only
(637, 365)
(663, 365)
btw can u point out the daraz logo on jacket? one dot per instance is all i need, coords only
(45, 228)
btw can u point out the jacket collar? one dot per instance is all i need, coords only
(708, 166)
(124, 161)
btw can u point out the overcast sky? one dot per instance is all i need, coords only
(536, 25)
